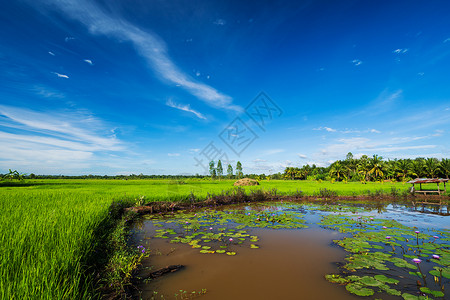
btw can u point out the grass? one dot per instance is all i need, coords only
(51, 230)
(158, 190)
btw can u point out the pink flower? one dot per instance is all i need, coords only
(435, 237)
(384, 227)
(417, 231)
(416, 260)
(388, 237)
(436, 256)
(230, 239)
(210, 228)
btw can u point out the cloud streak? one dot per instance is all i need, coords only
(186, 108)
(61, 75)
(51, 141)
(147, 44)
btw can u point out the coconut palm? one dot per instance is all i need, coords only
(363, 168)
(403, 168)
(376, 164)
(390, 169)
(337, 170)
(431, 167)
(418, 167)
(444, 165)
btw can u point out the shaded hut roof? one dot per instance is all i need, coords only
(427, 180)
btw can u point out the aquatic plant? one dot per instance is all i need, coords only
(368, 252)
(221, 229)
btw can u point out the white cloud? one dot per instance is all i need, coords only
(88, 61)
(258, 160)
(325, 128)
(51, 53)
(51, 141)
(447, 40)
(356, 62)
(60, 75)
(148, 45)
(400, 51)
(303, 156)
(220, 22)
(47, 92)
(186, 108)
(68, 38)
(374, 131)
(173, 154)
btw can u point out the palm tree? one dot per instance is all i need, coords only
(445, 166)
(403, 168)
(431, 167)
(391, 169)
(376, 164)
(418, 167)
(290, 172)
(337, 170)
(363, 169)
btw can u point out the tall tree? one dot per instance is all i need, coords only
(239, 173)
(445, 166)
(431, 167)
(376, 166)
(212, 170)
(230, 171)
(403, 167)
(219, 169)
(337, 170)
(418, 167)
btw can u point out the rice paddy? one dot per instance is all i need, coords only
(51, 231)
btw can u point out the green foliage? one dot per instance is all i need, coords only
(229, 171)
(239, 173)
(219, 169)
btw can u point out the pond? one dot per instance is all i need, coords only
(296, 250)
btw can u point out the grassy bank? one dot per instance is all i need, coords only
(53, 232)
(158, 190)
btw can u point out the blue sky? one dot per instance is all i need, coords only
(161, 87)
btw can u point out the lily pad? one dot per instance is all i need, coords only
(359, 289)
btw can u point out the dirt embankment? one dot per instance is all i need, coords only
(259, 196)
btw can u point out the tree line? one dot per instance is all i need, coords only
(372, 169)
(217, 171)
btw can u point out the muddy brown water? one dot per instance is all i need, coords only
(290, 264)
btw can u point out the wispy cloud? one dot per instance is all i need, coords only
(149, 46)
(447, 40)
(356, 62)
(325, 128)
(302, 156)
(88, 61)
(186, 108)
(173, 154)
(47, 92)
(51, 53)
(220, 22)
(61, 75)
(68, 38)
(51, 141)
(400, 51)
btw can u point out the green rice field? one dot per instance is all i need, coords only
(49, 228)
